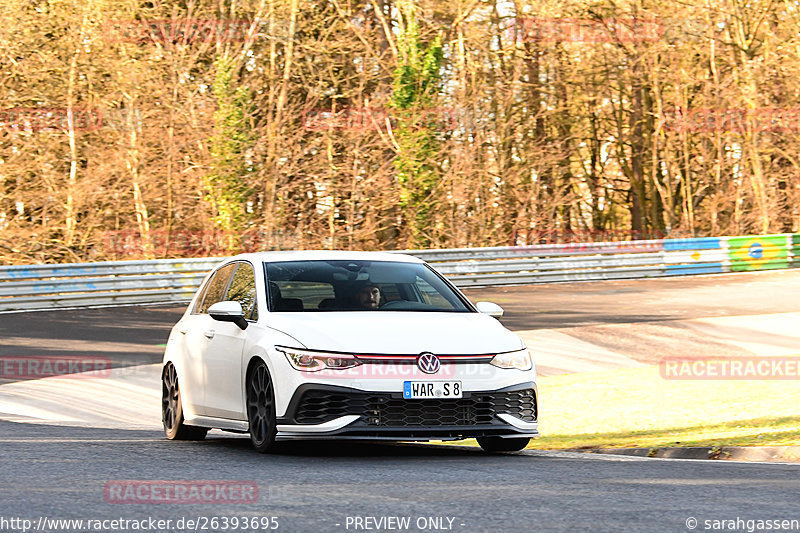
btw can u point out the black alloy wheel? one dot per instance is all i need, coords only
(261, 408)
(172, 409)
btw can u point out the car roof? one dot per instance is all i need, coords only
(324, 255)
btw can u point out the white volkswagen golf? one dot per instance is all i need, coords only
(345, 345)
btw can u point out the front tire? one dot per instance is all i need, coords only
(498, 444)
(172, 409)
(261, 409)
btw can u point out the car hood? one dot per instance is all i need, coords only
(393, 332)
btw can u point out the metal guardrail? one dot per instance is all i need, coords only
(29, 287)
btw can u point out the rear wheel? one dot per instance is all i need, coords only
(261, 409)
(499, 444)
(172, 409)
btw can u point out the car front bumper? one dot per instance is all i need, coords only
(318, 411)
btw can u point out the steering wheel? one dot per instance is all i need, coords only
(392, 303)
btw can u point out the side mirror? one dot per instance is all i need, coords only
(228, 312)
(488, 308)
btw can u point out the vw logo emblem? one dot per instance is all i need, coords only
(428, 363)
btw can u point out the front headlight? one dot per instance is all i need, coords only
(309, 361)
(520, 360)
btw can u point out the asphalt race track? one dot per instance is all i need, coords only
(60, 472)
(51, 471)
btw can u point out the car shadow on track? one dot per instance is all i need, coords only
(349, 448)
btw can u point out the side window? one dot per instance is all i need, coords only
(243, 290)
(216, 288)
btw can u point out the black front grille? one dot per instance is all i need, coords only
(383, 410)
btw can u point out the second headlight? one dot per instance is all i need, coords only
(521, 360)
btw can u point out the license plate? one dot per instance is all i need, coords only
(415, 390)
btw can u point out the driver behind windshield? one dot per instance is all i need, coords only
(369, 296)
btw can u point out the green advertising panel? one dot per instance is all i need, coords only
(796, 250)
(760, 252)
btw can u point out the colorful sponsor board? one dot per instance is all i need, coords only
(694, 268)
(701, 243)
(760, 252)
(694, 256)
(796, 250)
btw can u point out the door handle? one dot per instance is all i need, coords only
(183, 331)
(210, 333)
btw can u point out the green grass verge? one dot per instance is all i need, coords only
(638, 408)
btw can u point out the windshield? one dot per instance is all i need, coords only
(302, 286)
